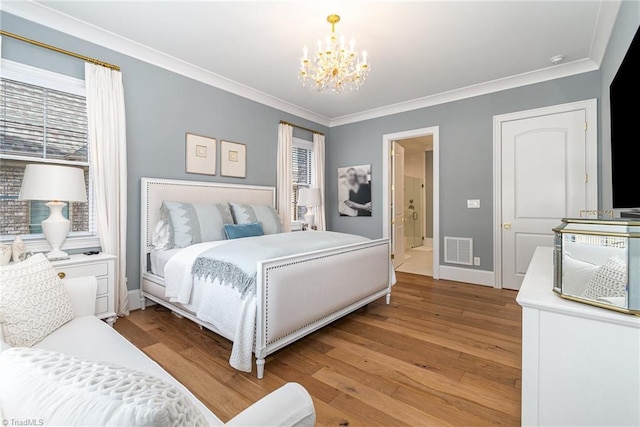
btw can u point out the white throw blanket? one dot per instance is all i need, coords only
(177, 273)
(235, 319)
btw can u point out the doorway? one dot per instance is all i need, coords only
(418, 205)
(545, 169)
(411, 219)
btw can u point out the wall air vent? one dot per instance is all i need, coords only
(458, 250)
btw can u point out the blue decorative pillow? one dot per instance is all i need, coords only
(192, 223)
(237, 231)
(247, 214)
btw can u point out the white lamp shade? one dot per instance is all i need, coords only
(53, 182)
(309, 197)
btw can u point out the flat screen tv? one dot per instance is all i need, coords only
(624, 94)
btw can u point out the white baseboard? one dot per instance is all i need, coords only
(467, 275)
(134, 300)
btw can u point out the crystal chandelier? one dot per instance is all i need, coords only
(335, 66)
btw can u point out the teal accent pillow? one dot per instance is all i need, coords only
(192, 223)
(247, 214)
(238, 231)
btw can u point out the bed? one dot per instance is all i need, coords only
(294, 294)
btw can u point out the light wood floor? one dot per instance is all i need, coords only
(442, 353)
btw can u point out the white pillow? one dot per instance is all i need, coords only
(610, 280)
(576, 274)
(161, 239)
(33, 301)
(65, 390)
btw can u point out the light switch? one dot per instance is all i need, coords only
(473, 204)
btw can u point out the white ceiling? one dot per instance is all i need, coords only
(416, 49)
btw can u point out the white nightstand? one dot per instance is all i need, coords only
(103, 267)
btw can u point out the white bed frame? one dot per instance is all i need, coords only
(297, 294)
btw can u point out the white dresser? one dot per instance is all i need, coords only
(102, 266)
(580, 364)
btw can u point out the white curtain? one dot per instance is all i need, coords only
(285, 174)
(318, 156)
(108, 151)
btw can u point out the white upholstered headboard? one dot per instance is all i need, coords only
(155, 190)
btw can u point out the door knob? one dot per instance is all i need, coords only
(507, 225)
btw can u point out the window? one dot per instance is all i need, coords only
(302, 175)
(43, 119)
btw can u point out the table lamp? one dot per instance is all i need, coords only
(309, 197)
(54, 183)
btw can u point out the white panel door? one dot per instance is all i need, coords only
(543, 181)
(397, 205)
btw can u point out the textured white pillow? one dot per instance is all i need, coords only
(610, 280)
(576, 274)
(65, 390)
(33, 301)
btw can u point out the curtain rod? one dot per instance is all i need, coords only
(57, 49)
(301, 127)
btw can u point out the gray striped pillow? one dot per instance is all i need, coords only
(247, 214)
(192, 223)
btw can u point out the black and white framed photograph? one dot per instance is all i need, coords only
(354, 190)
(200, 153)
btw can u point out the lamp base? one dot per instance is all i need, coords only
(57, 255)
(309, 218)
(56, 230)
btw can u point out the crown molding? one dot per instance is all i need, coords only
(519, 80)
(55, 20)
(607, 15)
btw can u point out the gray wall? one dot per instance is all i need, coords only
(466, 156)
(626, 26)
(161, 106)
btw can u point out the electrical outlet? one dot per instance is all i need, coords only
(473, 204)
(476, 260)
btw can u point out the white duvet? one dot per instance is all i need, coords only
(235, 319)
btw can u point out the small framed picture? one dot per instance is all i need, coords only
(200, 153)
(233, 159)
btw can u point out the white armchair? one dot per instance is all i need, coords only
(290, 405)
(87, 337)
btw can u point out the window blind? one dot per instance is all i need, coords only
(42, 123)
(301, 178)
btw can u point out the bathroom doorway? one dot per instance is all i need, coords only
(418, 205)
